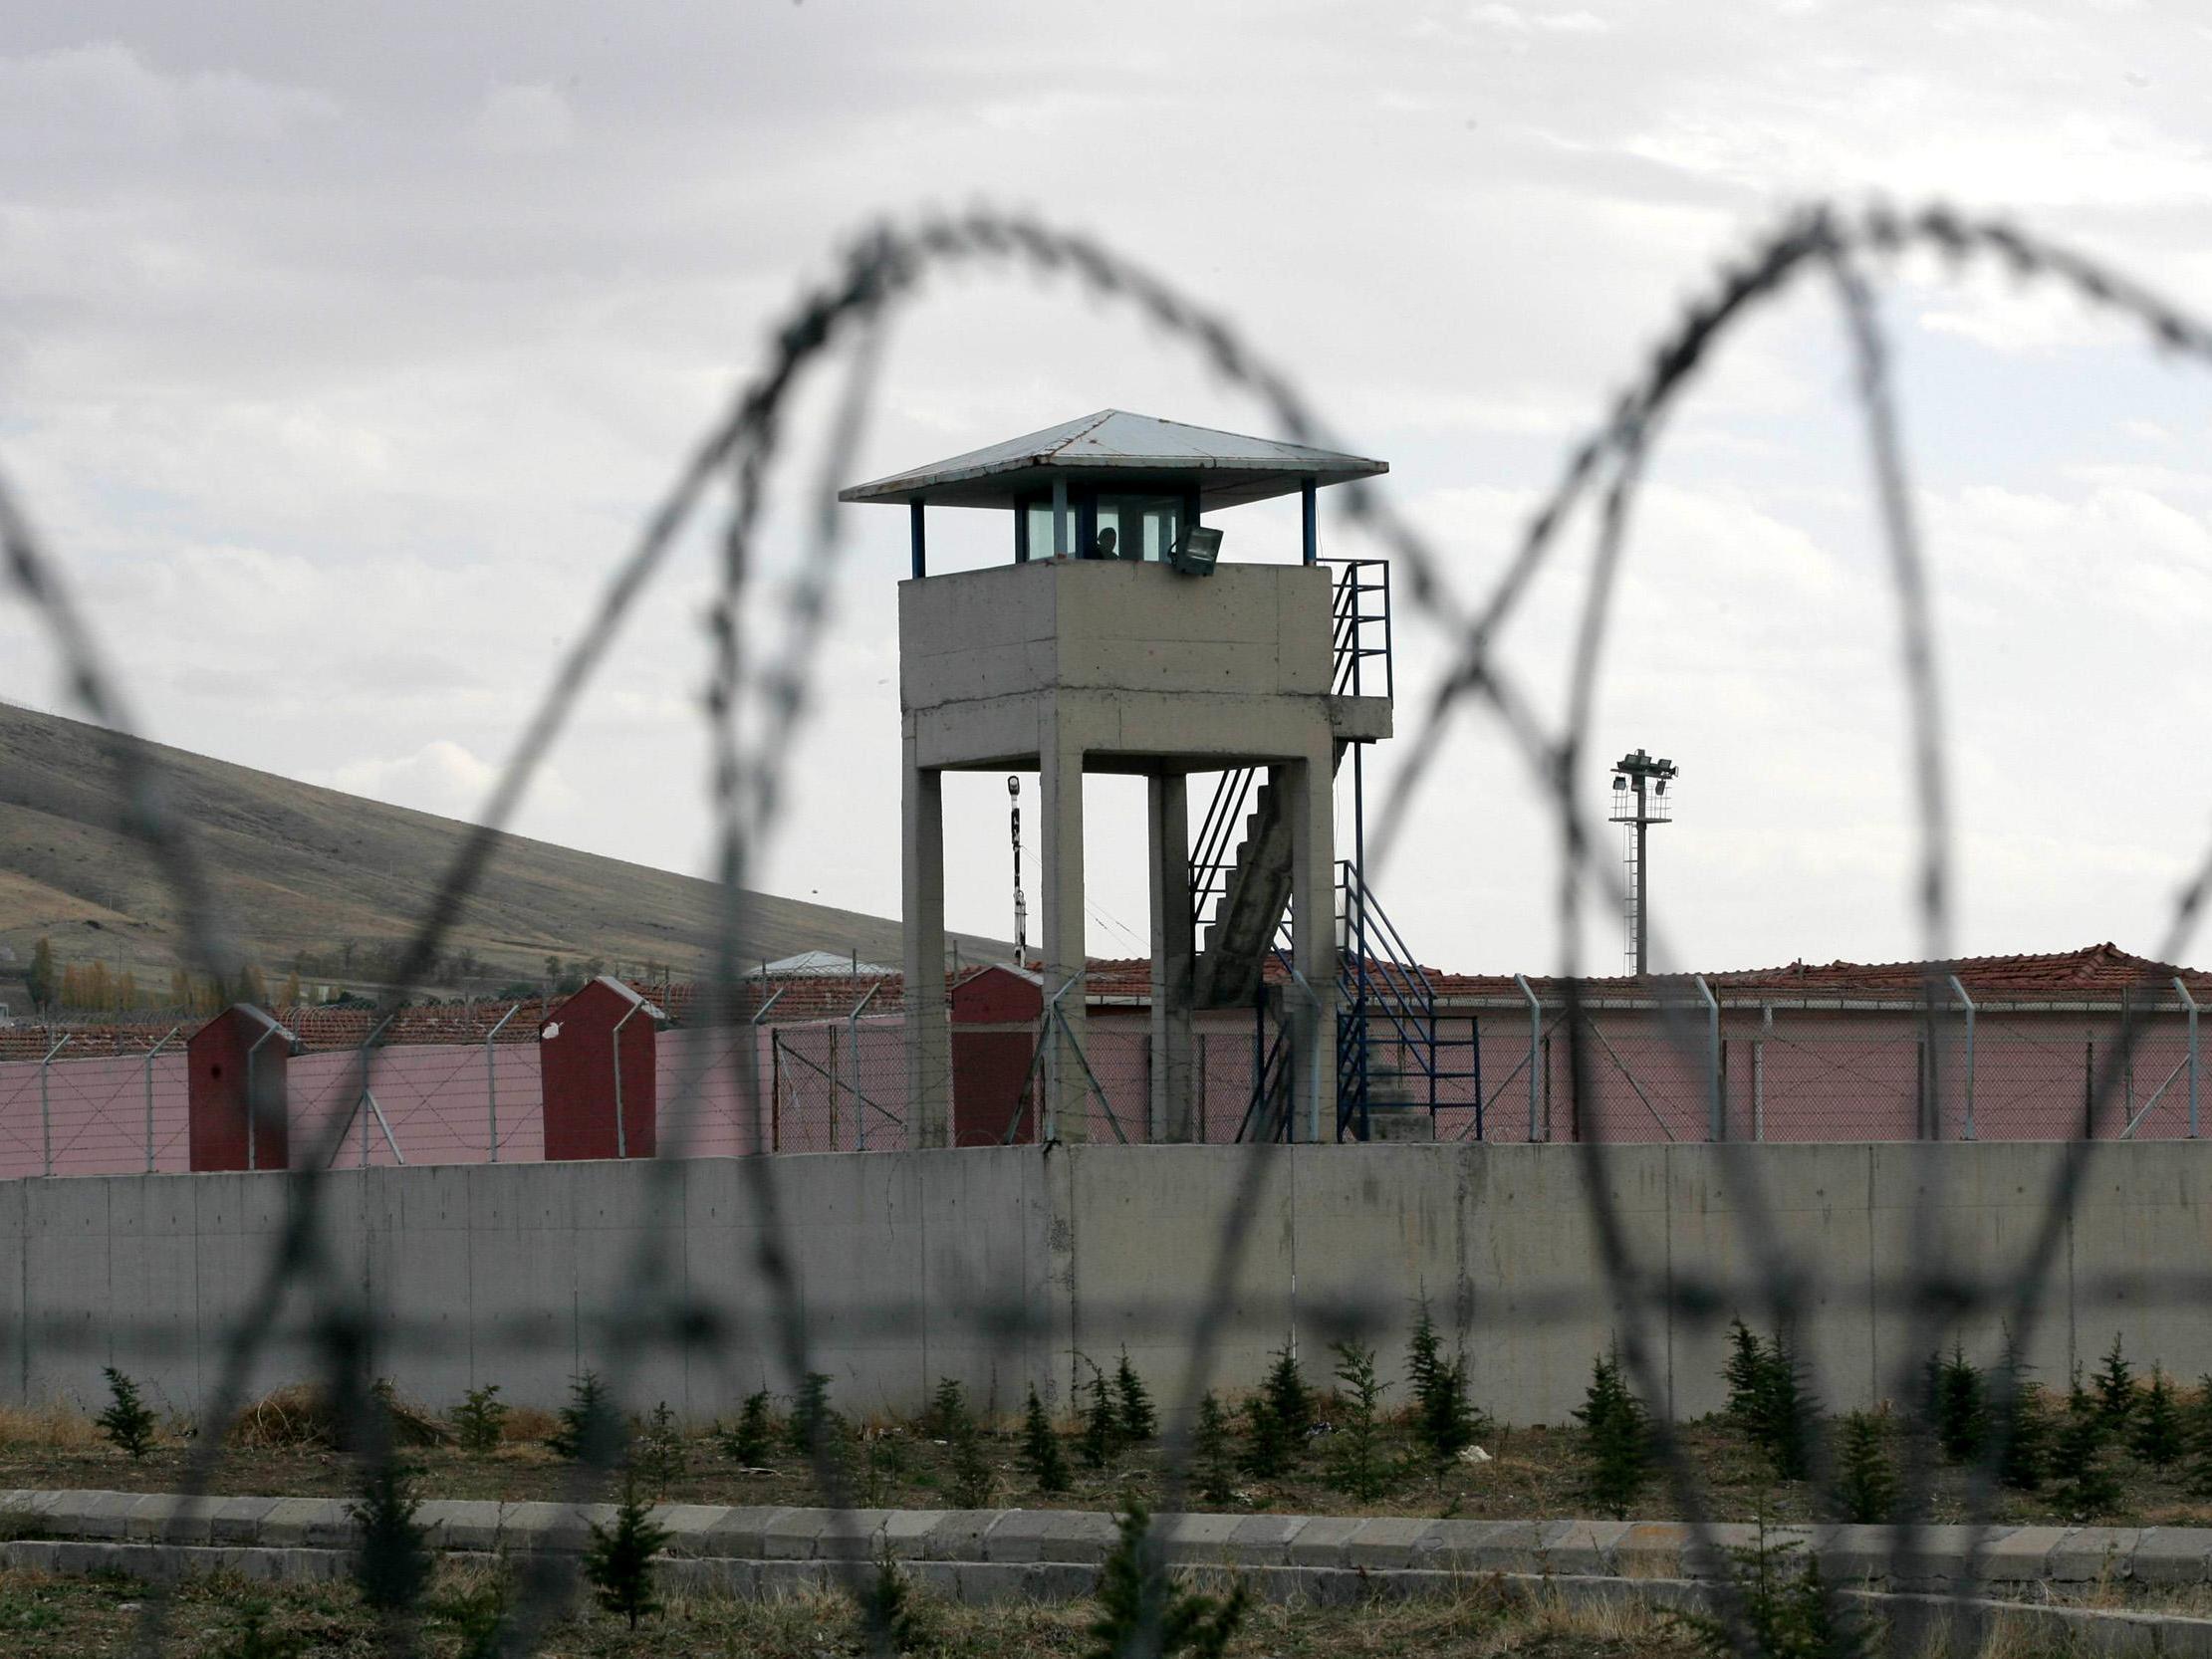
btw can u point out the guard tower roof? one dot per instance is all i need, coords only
(1132, 449)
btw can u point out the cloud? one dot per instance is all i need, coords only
(524, 121)
(441, 776)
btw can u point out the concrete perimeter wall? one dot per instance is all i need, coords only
(1000, 1265)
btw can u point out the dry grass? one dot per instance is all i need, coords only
(527, 1425)
(302, 1416)
(56, 1425)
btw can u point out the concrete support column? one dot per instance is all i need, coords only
(1059, 784)
(1173, 949)
(928, 1038)
(1312, 805)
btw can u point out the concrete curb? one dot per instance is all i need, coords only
(1934, 1559)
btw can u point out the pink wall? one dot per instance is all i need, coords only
(1827, 1077)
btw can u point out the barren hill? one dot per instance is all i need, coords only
(308, 869)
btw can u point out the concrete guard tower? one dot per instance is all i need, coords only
(1113, 642)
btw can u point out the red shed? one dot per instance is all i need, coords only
(995, 1015)
(596, 1070)
(235, 1101)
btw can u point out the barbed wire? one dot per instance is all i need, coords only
(754, 721)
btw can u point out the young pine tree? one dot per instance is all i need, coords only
(2158, 1434)
(2020, 1418)
(1275, 1419)
(1355, 1466)
(1040, 1452)
(1142, 1611)
(973, 1478)
(618, 1559)
(393, 1566)
(892, 1615)
(1958, 1406)
(588, 1427)
(126, 1422)
(812, 1419)
(948, 1413)
(2087, 1487)
(1212, 1458)
(2115, 1385)
(1865, 1479)
(657, 1455)
(1617, 1444)
(478, 1420)
(747, 1443)
(2197, 1472)
(1745, 1372)
(1100, 1440)
(1134, 1404)
(1444, 1423)
(1787, 1411)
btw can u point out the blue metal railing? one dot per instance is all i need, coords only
(1359, 628)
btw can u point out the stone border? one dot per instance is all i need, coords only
(1941, 1558)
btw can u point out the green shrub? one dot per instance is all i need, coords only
(126, 1422)
(1784, 1614)
(1616, 1443)
(1865, 1479)
(1212, 1457)
(892, 1615)
(2197, 1472)
(2087, 1487)
(392, 1568)
(746, 1444)
(1041, 1452)
(1275, 1419)
(1100, 1439)
(2115, 1385)
(2159, 1436)
(478, 1420)
(1134, 1404)
(618, 1559)
(253, 1639)
(812, 1420)
(588, 1428)
(656, 1455)
(1141, 1610)
(1355, 1466)
(1444, 1422)
(1958, 1406)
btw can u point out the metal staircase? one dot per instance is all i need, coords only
(1391, 1044)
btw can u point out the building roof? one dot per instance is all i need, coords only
(1134, 449)
(2096, 976)
(2092, 974)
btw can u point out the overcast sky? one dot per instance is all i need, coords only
(341, 350)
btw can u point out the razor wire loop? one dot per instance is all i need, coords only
(886, 265)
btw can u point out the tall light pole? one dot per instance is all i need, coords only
(1639, 799)
(1021, 905)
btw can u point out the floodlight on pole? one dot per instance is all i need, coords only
(1640, 800)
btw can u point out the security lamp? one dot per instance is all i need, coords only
(1195, 555)
(1014, 785)
(1618, 782)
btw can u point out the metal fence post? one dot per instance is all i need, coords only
(621, 1129)
(1536, 1062)
(2190, 1004)
(151, 1053)
(1759, 1071)
(491, 1082)
(1959, 991)
(46, 1108)
(852, 1054)
(1716, 1127)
